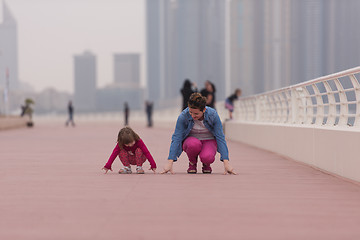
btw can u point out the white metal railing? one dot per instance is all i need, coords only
(328, 100)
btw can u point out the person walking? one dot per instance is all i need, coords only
(186, 91)
(71, 114)
(199, 133)
(126, 113)
(149, 109)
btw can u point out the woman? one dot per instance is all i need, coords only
(199, 133)
(188, 89)
(209, 93)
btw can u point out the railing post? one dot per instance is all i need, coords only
(343, 104)
(319, 117)
(257, 108)
(356, 86)
(294, 106)
(331, 116)
(288, 106)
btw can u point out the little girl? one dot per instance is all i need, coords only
(229, 102)
(131, 151)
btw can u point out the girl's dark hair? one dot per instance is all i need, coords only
(126, 135)
(197, 101)
(237, 90)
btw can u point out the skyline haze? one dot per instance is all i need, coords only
(50, 33)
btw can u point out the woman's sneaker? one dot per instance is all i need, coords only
(206, 168)
(139, 170)
(125, 170)
(192, 168)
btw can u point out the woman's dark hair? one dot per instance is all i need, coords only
(212, 85)
(126, 135)
(187, 84)
(197, 101)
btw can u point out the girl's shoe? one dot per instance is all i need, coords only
(206, 169)
(192, 168)
(139, 170)
(125, 170)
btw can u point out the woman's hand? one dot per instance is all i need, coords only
(153, 169)
(106, 169)
(228, 168)
(168, 167)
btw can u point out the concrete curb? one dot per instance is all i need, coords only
(11, 122)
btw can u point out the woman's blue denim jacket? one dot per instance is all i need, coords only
(184, 125)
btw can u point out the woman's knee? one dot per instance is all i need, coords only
(192, 144)
(207, 158)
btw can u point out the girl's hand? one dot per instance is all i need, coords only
(168, 167)
(153, 169)
(106, 170)
(228, 168)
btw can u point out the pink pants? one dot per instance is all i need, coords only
(205, 149)
(128, 158)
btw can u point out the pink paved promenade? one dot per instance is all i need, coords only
(52, 188)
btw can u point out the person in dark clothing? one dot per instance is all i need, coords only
(27, 110)
(149, 109)
(229, 102)
(188, 89)
(126, 113)
(71, 115)
(209, 93)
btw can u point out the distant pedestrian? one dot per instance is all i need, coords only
(199, 133)
(27, 110)
(229, 102)
(71, 114)
(126, 113)
(149, 108)
(131, 151)
(209, 93)
(188, 89)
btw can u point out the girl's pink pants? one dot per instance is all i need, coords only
(127, 158)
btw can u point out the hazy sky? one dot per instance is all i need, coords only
(50, 32)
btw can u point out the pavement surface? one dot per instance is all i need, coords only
(52, 188)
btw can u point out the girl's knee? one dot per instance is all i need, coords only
(122, 152)
(140, 157)
(139, 152)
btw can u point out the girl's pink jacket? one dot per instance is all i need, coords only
(138, 144)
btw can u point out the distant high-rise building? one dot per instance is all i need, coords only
(308, 34)
(260, 44)
(242, 41)
(277, 43)
(85, 76)
(8, 50)
(341, 35)
(126, 86)
(201, 43)
(160, 45)
(185, 39)
(127, 69)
